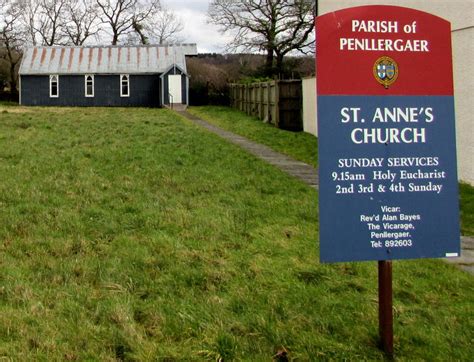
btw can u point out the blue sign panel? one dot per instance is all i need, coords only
(388, 187)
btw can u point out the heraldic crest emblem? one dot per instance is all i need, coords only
(385, 71)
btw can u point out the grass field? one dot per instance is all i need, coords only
(466, 204)
(131, 234)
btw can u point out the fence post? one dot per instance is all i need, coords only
(269, 109)
(246, 98)
(249, 99)
(277, 103)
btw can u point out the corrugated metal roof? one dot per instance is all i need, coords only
(103, 60)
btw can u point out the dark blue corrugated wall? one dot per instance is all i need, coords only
(144, 91)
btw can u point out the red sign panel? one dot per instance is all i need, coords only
(419, 42)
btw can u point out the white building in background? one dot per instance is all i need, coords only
(461, 15)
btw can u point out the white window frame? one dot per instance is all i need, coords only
(53, 78)
(85, 85)
(125, 77)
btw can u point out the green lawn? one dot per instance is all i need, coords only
(466, 202)
(131, 234)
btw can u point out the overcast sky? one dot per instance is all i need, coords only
(196, 30)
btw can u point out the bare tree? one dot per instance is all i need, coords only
(140, 31)
(11, 39)
(126, 16)
(58, 22)
(82, 19)
(42, 20)
(163, 27)
(276, 27)
(49, 21)
(29, 10)
(166, 27)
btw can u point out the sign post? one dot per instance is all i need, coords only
(388, 176)
(385, 306)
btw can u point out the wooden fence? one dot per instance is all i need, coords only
(277, 102)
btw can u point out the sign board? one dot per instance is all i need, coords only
(388, 176)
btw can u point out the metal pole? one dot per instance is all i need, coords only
(385, 306)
